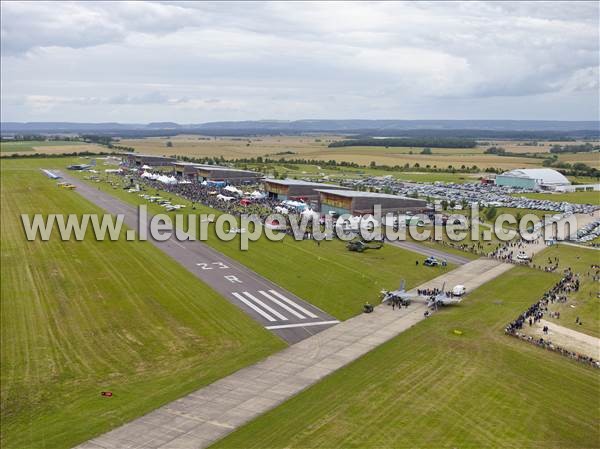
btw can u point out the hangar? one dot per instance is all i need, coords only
(153, 160)
(216, 173)
(361, 203)
(295, 189)
(532, 178)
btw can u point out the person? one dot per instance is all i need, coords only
(416, 262)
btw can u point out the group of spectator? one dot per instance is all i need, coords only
(567, 284)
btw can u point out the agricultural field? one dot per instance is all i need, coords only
(293, 264)
(571, 197)
(83, 317)
(306, 147)
(584, 304)
(432, 387)
(47, 147)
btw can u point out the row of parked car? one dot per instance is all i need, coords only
(468, 193)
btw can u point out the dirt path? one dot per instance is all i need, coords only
(567, 338)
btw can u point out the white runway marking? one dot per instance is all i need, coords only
(282, 305)
(287, 326)
(253, 307)
(266, 306)
(293, 304)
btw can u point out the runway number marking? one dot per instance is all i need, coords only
(233, 279)
(207, 266)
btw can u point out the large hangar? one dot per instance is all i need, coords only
(214, 173)
(226, 174)
(362, 203)
(152, 160)
(533, 178)
(295, 189)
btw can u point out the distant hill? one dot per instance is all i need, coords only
(376, 128)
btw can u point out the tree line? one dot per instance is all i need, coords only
(433, 142)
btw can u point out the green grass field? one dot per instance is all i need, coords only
(82, 317)
(571, 197)
(431, 388)
(13, 147)
(584, 304)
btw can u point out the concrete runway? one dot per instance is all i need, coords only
(426, 251)
(278, 310)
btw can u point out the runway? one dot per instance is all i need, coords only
(275, 308)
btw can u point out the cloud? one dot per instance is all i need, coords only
(289, 60)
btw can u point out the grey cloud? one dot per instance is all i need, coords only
(172, 59)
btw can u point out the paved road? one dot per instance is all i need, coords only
(426, 251)
(201, 418)
(278, 310)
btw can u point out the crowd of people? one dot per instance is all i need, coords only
(212, 196)
(569, 283)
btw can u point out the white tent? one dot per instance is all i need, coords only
(146, 167)
(257, 195)
(297, 204)
(233, 190)
(311, 213)
(224, 198)
(281, 210)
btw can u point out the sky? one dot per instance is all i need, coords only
(192, 62)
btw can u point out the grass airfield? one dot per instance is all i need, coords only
(79, 318)
(329, 276)
(431, 388)
(83, 333)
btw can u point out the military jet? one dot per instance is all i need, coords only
(400, 295)
(405, 298)
(443, 299)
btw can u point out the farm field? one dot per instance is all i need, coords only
(293, 264)
(571, 197)
(316, 148)
(584, 304)
(83, 317)
(47, 147)
(431, 388)
(302, 171)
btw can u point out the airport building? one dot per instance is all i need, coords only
(295, 189)
(186, 170)
(139, 160)
(533, 179)
(362, 203)
(215, 173)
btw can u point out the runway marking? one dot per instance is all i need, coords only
(253, 307)
(293, 304)
(282, 305)
(178, 244)
(287, 326)
(266, 306)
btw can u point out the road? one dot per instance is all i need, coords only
(277, 309)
